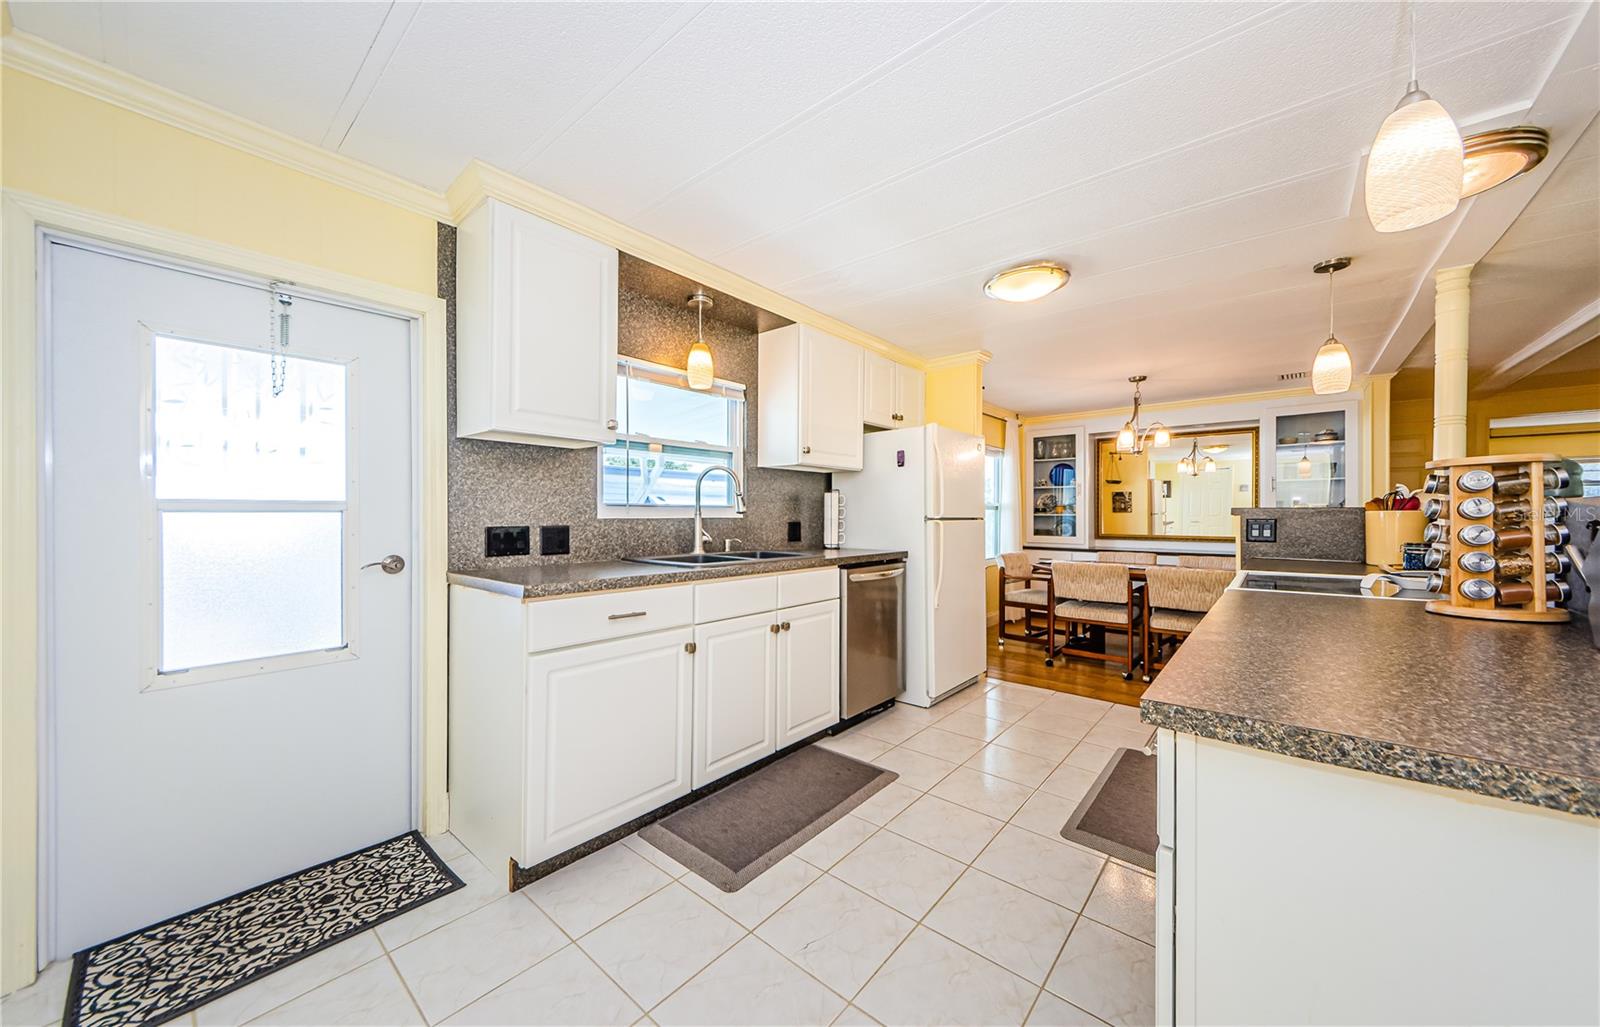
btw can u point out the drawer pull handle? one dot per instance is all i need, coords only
(627, 616)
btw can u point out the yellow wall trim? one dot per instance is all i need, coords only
(971, 356)
(29, 53)
(481, 181)
(1240, 397)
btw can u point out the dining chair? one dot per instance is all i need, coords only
(1131, 559)
(1176, 598)
(1210, 563)
(1097, 595)
(1033, 596)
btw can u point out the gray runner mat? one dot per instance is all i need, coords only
(1118, 816)
(734, 834)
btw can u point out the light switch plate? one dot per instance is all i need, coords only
(1261, 529)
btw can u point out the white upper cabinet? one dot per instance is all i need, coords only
(878, 392)
(891, 394)
(536, 331)
(908, 388)
(810, 399)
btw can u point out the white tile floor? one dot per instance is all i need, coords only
(948, 897)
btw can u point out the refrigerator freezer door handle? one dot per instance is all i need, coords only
(938, 472)
(938, 578)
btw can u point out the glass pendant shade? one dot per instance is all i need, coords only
(700, 369)
(1160, 437)
(1303, 468)
(1184, 467)
(1125, 438)
(1208, 466)
(1330, 371)
(1414, 172)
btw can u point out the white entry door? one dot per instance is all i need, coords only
(230, 693)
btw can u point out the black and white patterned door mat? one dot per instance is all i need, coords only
(167, 969)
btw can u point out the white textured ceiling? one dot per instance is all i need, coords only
(877, 161)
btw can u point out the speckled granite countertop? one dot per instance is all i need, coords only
(1308, 566)
(1505, 710)
(559, 579)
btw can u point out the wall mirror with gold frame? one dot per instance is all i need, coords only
(1183, 491)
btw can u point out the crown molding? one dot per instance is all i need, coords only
(971, 356)
(480, 181)
(31, 55)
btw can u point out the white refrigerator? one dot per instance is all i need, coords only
(921, 490)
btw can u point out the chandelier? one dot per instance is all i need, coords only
(1135, 439)
(1193, 463)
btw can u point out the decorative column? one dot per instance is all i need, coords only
(1451, 300)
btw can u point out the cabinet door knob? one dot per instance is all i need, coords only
(775, 629)
(689, 647)
(785, 625)
(805, 449)
(612, 424)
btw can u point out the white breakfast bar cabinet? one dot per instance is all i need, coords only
(573, 715)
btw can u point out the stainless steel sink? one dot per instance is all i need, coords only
(688, 559)
(712, 559)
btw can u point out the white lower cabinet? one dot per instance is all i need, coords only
(570, 717)
(807, 670)
(609, 733)
(734, 694)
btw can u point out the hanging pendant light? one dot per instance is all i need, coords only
(1415, 166)
(700, 368)
(1303, 468)
(1331, 370)
(1133, 438)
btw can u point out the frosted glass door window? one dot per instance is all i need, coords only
(241, 586)
(250, 492)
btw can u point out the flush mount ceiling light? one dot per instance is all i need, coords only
(1133, 438)
(700, 369)
(1025, 283)
(1330, 371)
(1499, 156)
(1214, 450)
(1414, 169)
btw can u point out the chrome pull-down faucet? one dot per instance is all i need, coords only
(700, 536)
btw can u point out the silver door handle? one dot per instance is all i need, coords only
(626, 616)
(394, 563)
(878, 575)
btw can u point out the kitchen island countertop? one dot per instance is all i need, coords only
(558, 579)
(1501, 709)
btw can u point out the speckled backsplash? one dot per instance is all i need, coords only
(506, 483)
(1308, 533)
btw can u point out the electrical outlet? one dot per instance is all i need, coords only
(555, 540)
(1261, 529)
(506, 541)
(794, 531)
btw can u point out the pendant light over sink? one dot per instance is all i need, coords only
(1415, 167)
(700, 368)
(1331, 371)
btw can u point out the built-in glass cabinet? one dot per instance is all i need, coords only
(1313, 457)
(1054, 462)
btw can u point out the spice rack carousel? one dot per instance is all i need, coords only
(1496, 528)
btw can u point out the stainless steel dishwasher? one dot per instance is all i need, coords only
(874, 635)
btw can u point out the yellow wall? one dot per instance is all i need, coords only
(69, 147)
(954, 396)
(1132, 471)
(1411, 417)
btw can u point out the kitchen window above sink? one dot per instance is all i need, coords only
(667, 434)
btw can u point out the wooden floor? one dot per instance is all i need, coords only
(1024, 664)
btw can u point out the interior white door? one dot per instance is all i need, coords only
(956, 614)
(230, 693)
(808, 670)
(734, 694)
